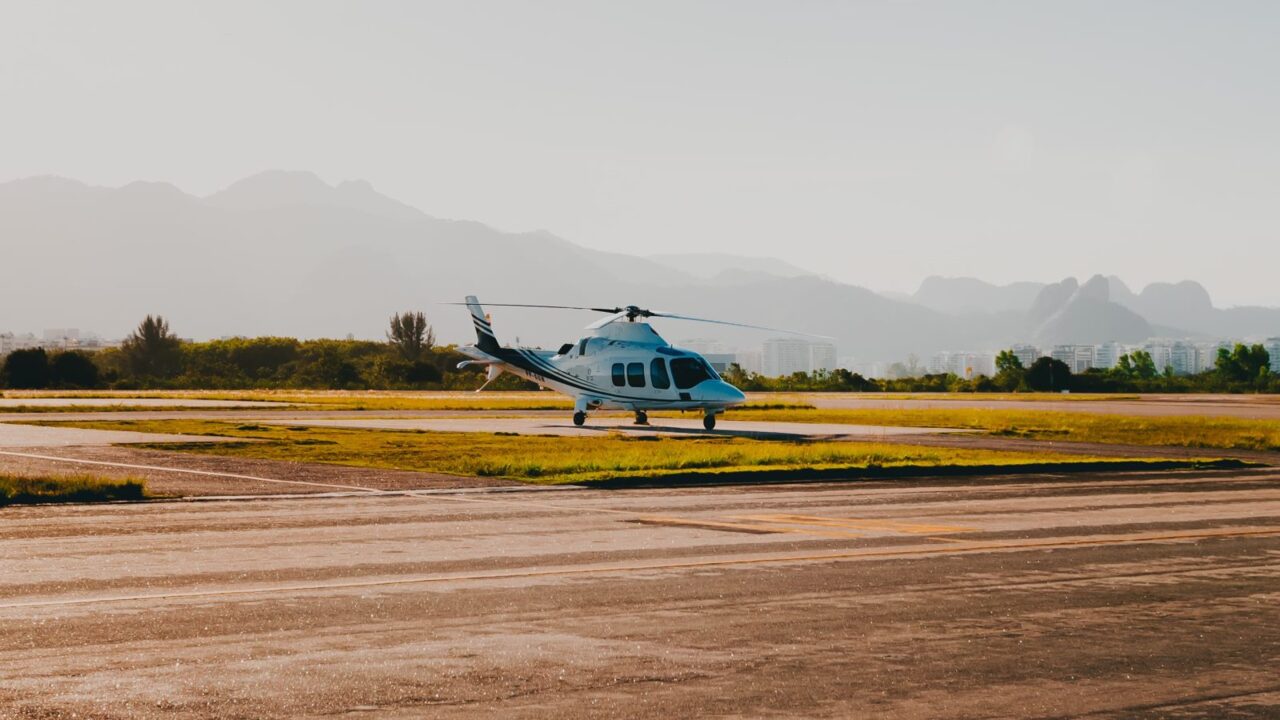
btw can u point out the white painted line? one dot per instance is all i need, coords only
(208, 473)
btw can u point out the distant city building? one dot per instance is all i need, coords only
(822, 356)
(967, 365)
(10, 342)
(1273, 349)
(1026, 354)
(62, 336)
(750, 360)
(720, 361)
(785, 356)
(1077, 357)
(1107, 355)
(1184, 358)
(1161, 352)
(702, 346)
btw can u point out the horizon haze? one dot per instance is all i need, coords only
(284, 253)
(876, 143)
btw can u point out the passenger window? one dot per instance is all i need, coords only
(635, 374)
(658, 371)
(619, 375)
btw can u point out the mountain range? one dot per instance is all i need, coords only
(285, 253)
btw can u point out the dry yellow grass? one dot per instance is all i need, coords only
(25, 489)
(1178, 431)
(549, 459)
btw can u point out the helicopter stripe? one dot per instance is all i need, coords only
(577, 382)
(542, 367)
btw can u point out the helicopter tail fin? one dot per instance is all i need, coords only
(485, 339)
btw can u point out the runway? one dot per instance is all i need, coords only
(1113, 596)
(1255, 407)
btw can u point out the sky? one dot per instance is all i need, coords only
(874, 142)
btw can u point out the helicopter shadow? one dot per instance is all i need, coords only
(656, 431)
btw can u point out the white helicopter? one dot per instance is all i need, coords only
(620, 364)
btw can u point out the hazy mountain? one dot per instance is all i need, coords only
(711, 265)
(962, 295)
(1086, 316)
(1051, 299)
(1187, 305)
(285, 253)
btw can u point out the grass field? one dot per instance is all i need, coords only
(549, 460)
(324, 399)
(1178, 431)
(21, 489)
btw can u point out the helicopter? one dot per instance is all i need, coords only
(622, 363)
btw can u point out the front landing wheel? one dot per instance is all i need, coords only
(709, 422)
(579, 418)
(642, 418)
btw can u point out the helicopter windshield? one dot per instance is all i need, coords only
(689, 371)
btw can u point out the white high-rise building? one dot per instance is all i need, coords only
(784, 356)
(1161, 353)
(1183, 358)
(822, 356)
(1273, 349)
(1026, 354)
(1107, 355)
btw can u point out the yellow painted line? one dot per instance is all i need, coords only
(642, 567)
(860, 524)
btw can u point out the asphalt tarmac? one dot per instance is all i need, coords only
(1256, 407)
(1106, 596)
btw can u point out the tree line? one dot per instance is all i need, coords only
(153, 357)
(1239, 369)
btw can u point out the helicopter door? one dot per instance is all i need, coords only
(658, 374)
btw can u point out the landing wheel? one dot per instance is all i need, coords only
(579, 418)
(709, 422)
(642, 418)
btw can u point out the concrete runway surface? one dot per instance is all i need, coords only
(1116, 596)
(1256, 407)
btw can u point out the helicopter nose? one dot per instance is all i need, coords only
(721, 393)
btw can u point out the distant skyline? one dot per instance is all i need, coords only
(875, 143)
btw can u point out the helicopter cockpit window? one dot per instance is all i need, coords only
(635, 374)
(658, 372)
(690, 371)
(619, 374)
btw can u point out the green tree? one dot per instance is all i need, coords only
(26, 369)
(1049, 375)
(1244, 364)
(1010, 374)
(1143, 366)
(1136, 365)
(411, 335)
(151, 350)
(73, 369)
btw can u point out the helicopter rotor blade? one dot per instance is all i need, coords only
(552, 307)
(674, 316)
(631, 312)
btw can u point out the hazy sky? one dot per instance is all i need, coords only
(875, 142)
